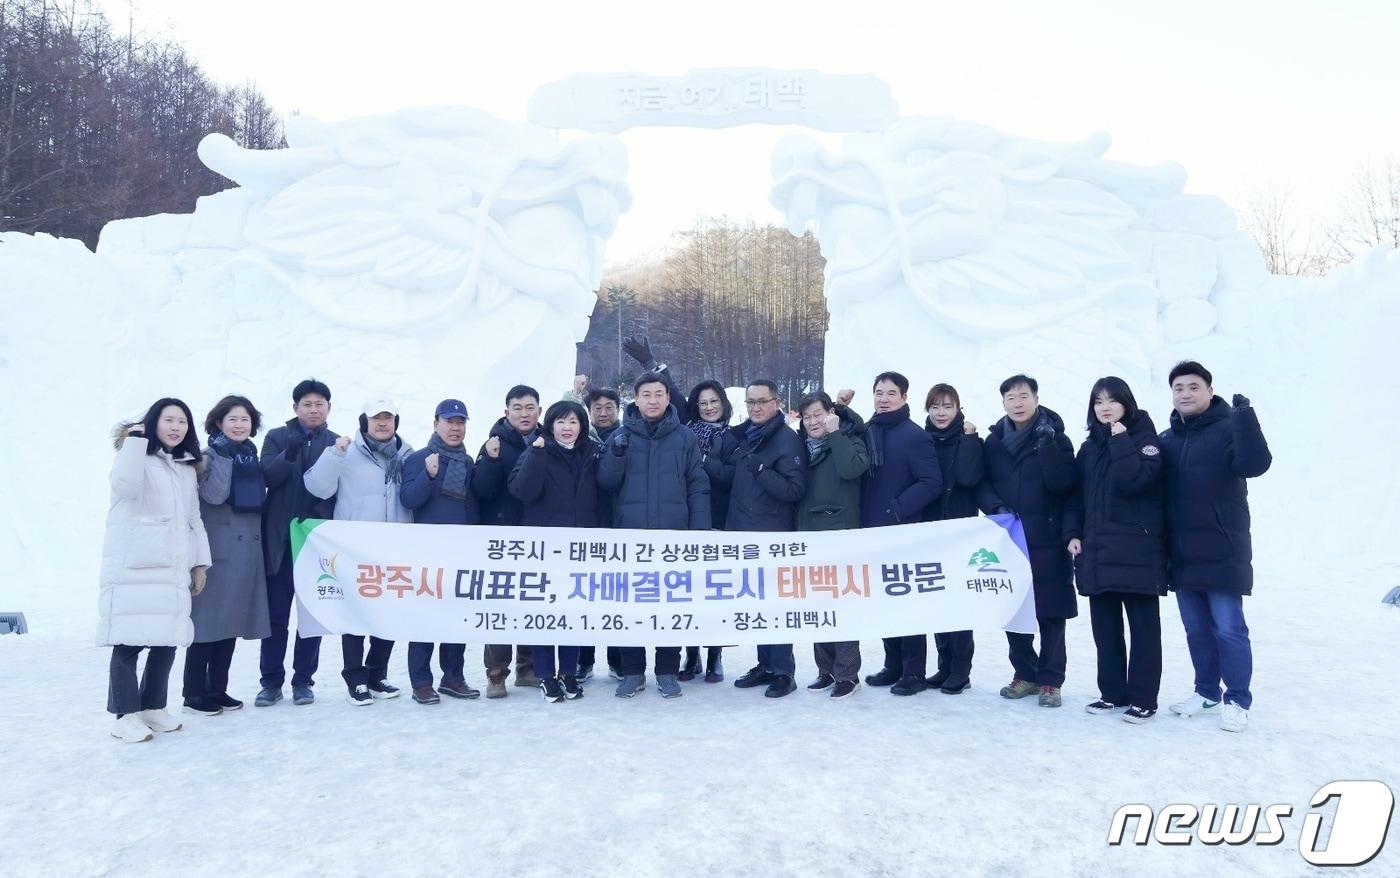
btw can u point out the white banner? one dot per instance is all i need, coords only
(579, 586)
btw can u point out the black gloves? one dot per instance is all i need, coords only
(618, 443)
(1240, 402)
(291, 453)
(1044, 433)
(639, 349)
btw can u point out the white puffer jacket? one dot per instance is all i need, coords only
(154, 537)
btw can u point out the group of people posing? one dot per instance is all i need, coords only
(197, 550)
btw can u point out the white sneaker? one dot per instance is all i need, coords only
(1234, 718)
(1195, 705)
(160, 721)
(130, 730)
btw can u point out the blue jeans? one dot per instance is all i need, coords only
(1218, 639)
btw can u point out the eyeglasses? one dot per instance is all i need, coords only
(756, 403)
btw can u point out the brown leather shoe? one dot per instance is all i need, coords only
(459, 690)
(425, 695)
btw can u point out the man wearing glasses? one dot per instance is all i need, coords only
(768, 480)
(509, 436)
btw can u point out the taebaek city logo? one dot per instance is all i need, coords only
(1359, 824)
(983, 559)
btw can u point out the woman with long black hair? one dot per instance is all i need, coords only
(155, 555)
(1115, 525)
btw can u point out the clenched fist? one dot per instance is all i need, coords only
(969, 428)
(845, 396)
(832, 423)
(342, 444)
(430, 463)
(493, 447)
(1117, 427)
(539, 442)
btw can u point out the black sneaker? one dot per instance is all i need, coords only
(844, 688)
(360, 696)
(953, 686)
(1138, 715)
(572, 688)
(584, 672)
(552, 690)
(202, 706)
(909, 686)
(1102, 706)
(886, 677)
(822, 683)
(225, 702)
(755, 676)
(782, 685)
(383, 689)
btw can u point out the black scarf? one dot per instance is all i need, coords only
(247, 488)
(386, 454)
(1018, 441)
(875, 433)
(949, 435)
(454, 463)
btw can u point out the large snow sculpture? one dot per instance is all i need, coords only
(383, 250)
(956, 253)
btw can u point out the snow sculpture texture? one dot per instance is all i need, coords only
(433, 243)
(989, 255)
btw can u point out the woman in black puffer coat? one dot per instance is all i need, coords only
(556, 482)
(960, 458)
(1115, 524)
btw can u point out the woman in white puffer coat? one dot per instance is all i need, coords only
(154, 556)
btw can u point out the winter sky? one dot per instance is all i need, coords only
(1252, 94)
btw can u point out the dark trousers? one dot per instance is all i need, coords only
(543, 657)
(633, 660)
(307, 654)
(908, 655)
(206, 668)
(1128, 675)
(588, 654)
(839, 659)
(777, 658)
(359, 668)
(452, 658)
(1046, 668)
(712, 656)
(124, 694)
(496, 657)
(954, 657)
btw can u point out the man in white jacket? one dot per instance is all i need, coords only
(363, 473)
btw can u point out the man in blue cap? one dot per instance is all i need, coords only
(437, 486)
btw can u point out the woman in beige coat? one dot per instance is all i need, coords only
(154, 556)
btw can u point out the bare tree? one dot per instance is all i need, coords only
(1370, 215)
(1269, 220)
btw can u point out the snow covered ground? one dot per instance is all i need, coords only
(721, 781)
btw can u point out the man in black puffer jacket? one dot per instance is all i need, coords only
(287, 453)
(767, 485)
(1210, 449)
(903, 479)
(652, 466)
(962, 464)
(1115, 524)
(509, 435)
(1030, 471)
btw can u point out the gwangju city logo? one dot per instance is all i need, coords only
(1359, 825)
